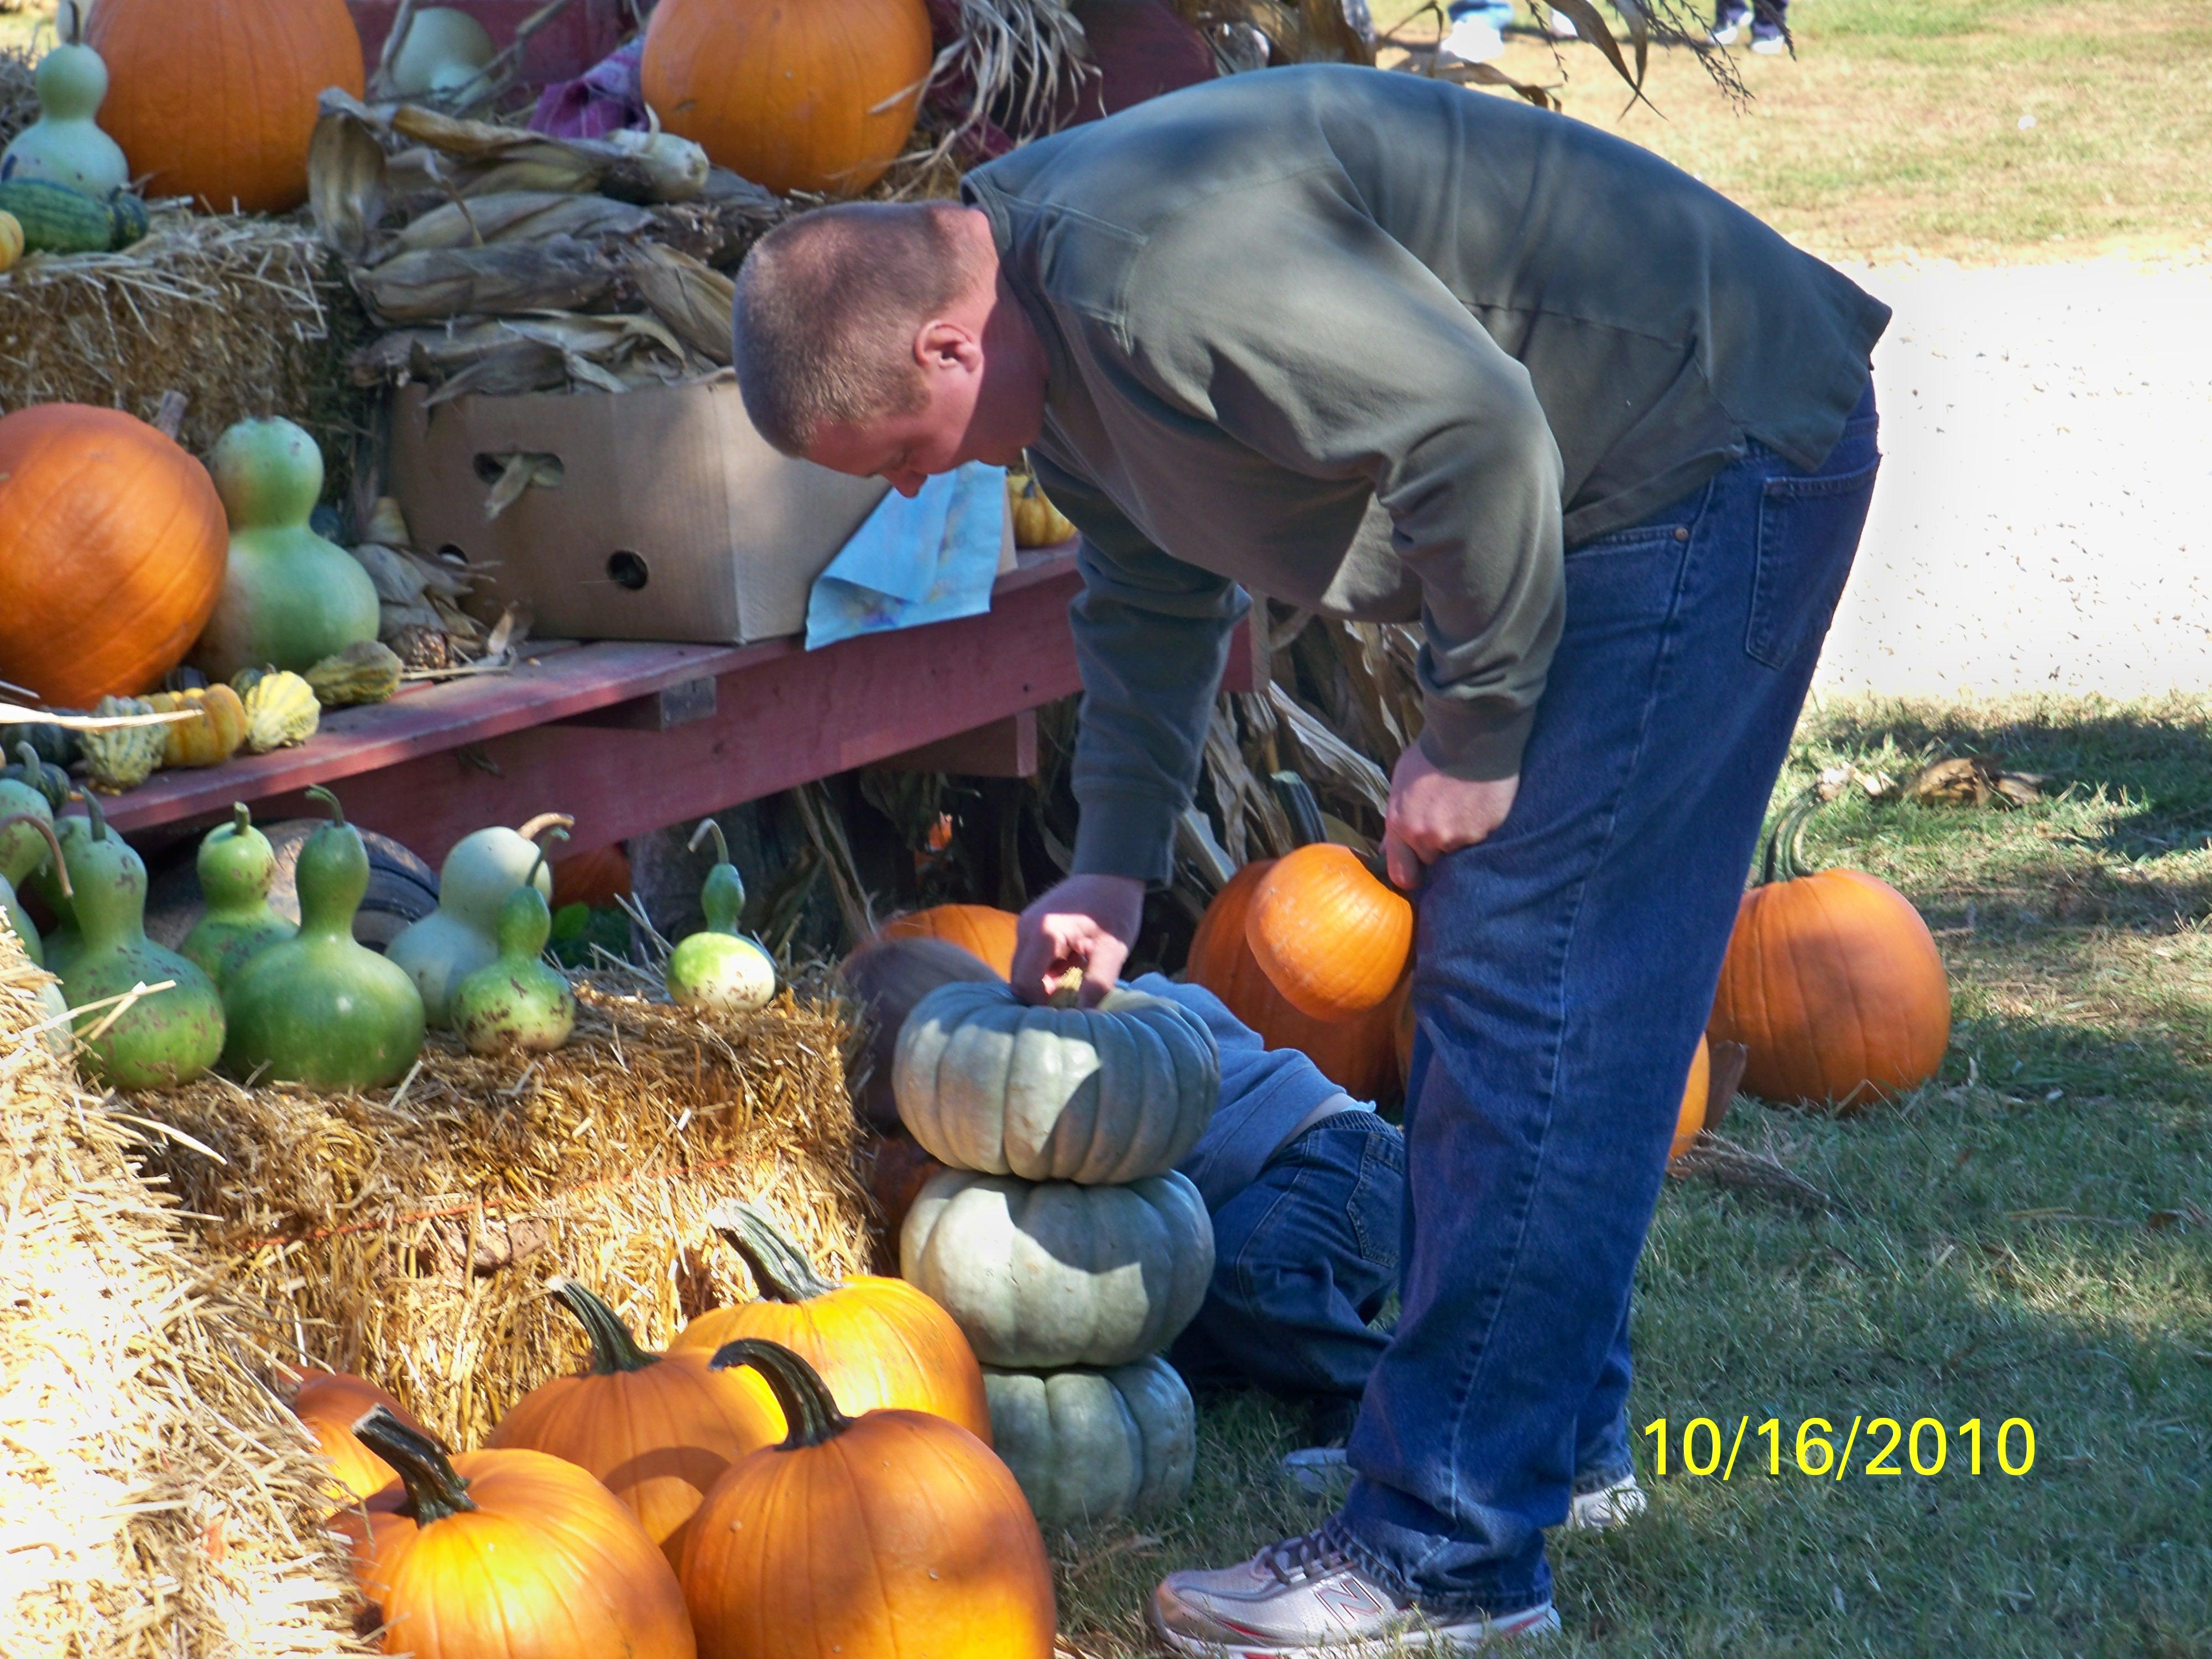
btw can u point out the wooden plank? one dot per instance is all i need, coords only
(1003, 748)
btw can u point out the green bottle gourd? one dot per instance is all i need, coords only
(236, 866)
(318, 1008)
(289, 597)
(720, 969)
(64, 939)
(518, 1002)
(462, 934)
(159, 1041)
(65, 146)
(27, 839)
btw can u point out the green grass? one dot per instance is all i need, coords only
(1897, 128)
(2030, 1236)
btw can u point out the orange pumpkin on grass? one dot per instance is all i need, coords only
(876, 1342)
(217, 99)
(507, 1555)
(890, 1532)
(112, 545)
(657, 1429)
(1832, 981)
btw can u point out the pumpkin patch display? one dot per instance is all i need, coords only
(912, 1507)
(507, 1554)
(328, 1403)
(1089, 1445)
(1831, 981)
(981, 930)
(718, 968)
(462, 934)
(236, 866)
(1045, 1274)
(1332, 939)
(659, 1429)
(289, 599)
(112, 553)
(217, 99)
(318, 1008)
(159, 1041)
(875, 1342)
(1099, 1095)
(816, 97)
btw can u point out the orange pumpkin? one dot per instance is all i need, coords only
(894, 1532)
(329, 1403)
(1833, 982)
(876, 1342)
(981, 930)
(818, 97)
(112, 544)
(507, 1555)
(1332, 939)
(598, 877)
(657, 1429)
(216, 98)
(1357, 1054)
(1692, 1117)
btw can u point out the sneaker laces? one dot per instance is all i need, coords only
(1307, 1556)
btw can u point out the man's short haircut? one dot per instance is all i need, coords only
(826, 307)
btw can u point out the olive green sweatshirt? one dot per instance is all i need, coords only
(1381, 347)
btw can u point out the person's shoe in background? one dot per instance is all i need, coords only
(1477, 31)
(1768, 41)
(1319, 1468)
(1608, 1506)
(1728, 23)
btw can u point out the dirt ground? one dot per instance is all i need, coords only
(2038, 526)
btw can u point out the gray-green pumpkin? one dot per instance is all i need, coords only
(1101, 1096)
(1046, 1273)
(1089, 1445)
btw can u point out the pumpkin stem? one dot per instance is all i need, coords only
(799, 1389)
(434, 1487)
(545, 821)
(1299, 805)
(706, 827)
(61, 865)
(557, 833)
(99, 818)
(242, 818)
(1066, 989)
(779, 1266)
(1785, 847)
(613, 1348)
(316, 791)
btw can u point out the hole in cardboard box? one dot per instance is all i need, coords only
(452, 555)
(627, 569)
(546, 471)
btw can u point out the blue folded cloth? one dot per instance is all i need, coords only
(916, 561)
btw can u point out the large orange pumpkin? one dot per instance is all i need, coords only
(1691, 1116)
(598, 877)
(816, 96)
(112, 544)
(330, 1403)
(876, 1342)
(981, 930)
(657, 1429)
(1332, 939)
(507, 1555)
(216, 98)
(1357, 1055)
(1833, 982)
(894, 1532)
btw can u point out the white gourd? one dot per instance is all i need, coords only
(462, 934)
(65, 146)
(444, 51)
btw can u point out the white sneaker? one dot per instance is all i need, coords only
(1770, 46)
(1471, 40)
(1608, 1506)
(1730, 27)
(1318, 1470)
(1302, 1596)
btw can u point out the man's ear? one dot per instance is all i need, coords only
(943, 345)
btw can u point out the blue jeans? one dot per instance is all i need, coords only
(1303, 1259)
(1566, 966)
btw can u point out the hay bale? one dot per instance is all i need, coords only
(154, 1499)
(409, 1234)
(237, 313)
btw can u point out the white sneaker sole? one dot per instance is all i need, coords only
(1443, 1639)
(1608, 1506)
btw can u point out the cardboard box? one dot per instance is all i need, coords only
(671, 518)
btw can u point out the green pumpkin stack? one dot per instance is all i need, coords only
(1061, 1240)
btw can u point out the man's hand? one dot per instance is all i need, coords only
(1433, 813)
(1087, 922)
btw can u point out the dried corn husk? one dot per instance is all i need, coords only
(506, 279)
(477, 158)
(345, 183)
(694, 299)
(520, 215)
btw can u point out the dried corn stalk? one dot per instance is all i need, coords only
(520, 215)
(504, 280)
(692, 299)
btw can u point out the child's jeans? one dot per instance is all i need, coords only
(1303, 1259)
